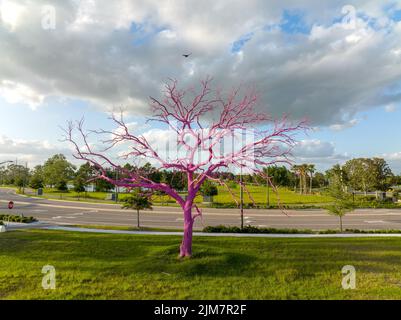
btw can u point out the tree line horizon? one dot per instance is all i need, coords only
(359, 174)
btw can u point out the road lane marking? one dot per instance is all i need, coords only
(104, 211)
(375, 221)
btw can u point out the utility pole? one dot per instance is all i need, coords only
(116, 187)
(24, 181)
(241, 200)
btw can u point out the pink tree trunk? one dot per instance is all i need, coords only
(186, 244)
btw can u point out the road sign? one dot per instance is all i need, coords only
(10, 205)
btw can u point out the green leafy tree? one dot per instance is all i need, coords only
(368, 174)
(342, 201)
(17, 175)
(37, 180)
(319, 180)
(337, 174)
(137, 200)
(82, 176)
(175, 179)
(57, 171)
(102, 185)
(209, 189)
(383, 175)
(79, 185)
(278, 175)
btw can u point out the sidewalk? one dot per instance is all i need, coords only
(41, 225)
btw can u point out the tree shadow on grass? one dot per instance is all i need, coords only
(212, 257)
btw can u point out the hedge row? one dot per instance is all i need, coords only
(251, 229)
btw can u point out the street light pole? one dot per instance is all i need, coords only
(25, 178)
(268, 188)
(116, 187)
(241, 200)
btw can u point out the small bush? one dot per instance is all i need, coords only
(373, 231)
(15, 218)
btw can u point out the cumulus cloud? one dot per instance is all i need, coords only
(345, 125)
(321, 153)
(32, 151)
(390, 108)
(394, 161)
(118, 53)
(313, 148)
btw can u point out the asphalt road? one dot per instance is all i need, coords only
(80, 213)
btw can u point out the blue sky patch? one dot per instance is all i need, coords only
(144, 34)
(293, 22)
(237, 45)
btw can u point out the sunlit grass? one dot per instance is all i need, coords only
(100, 266)
(258, 193)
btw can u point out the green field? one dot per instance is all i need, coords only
(99, 266)
(285, 196)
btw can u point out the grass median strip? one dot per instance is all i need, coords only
(104, 266)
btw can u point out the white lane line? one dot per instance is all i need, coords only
(63, 217)
(253, 215)
(375, 221)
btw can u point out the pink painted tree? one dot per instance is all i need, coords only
(201, 126)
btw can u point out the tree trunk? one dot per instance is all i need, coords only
(137, 216)
(186, 244)
(341, 224)
(300, 184)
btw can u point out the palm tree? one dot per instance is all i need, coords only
(137, 201)
(311, 170)
(297, 171)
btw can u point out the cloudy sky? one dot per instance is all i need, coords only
(336, 62)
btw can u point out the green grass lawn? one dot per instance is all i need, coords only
(100, 266)
(286, 196)
(258, 193)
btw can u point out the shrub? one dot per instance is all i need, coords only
(209, 189)
(251, 229)
(15, 218)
